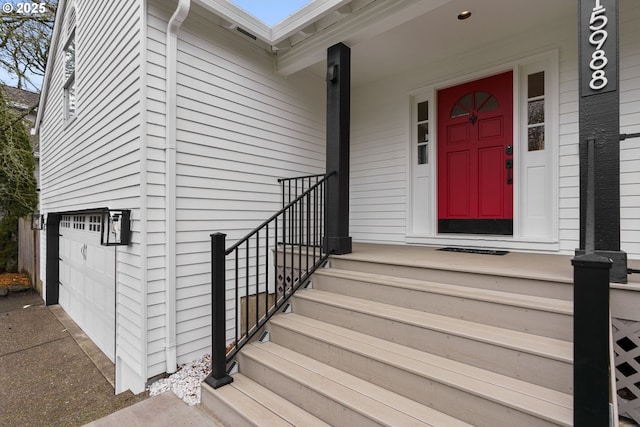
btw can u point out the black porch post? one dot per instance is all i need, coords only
(599, 211)
(599, 120)
(337, 238)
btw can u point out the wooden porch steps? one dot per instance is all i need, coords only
(538, 359)
(549, 317)
(247, 403)
(374, 343)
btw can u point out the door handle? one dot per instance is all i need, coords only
(509, 165)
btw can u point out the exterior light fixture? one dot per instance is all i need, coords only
(37, 221)
(465, 14)
(116, 228)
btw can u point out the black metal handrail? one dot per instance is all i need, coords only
(291, 240)
(294, 186)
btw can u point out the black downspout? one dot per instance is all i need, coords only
(337, 240)
(53, 259)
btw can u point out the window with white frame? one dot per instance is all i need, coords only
(535, 111)
(70, 69)
(423, 132)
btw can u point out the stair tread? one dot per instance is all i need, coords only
(534, 399)
(406, 256)
(383, 406)
(286, 410)
(521, 341)
(250, 409)
(516, 299)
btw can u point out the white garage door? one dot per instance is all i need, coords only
(87, 279)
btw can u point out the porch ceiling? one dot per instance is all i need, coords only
(438, 34)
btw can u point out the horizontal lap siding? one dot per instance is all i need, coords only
(94, 160)
(569, 180)
(240, 128)
(630, 123)
(378, 164)
(157, 18)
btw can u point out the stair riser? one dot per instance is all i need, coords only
(218, 409)
(517, 364)
(524, 286)
(318, 404)
(524, 319)
(462, 404)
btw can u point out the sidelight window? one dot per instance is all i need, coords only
(423, 133)
(535, 111)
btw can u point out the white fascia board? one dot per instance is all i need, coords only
(304, 17)
(232, 13)
(370, 21)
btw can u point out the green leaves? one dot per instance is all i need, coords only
(18, 196)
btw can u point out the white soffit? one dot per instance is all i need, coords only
(299, 20)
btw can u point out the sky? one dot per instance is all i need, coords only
(270, 12)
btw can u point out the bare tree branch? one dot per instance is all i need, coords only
(24, 42)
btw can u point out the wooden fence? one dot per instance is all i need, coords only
(29, 252)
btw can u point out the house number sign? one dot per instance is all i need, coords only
(598, 34)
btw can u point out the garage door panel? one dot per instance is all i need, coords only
(87, 281)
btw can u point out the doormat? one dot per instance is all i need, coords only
(475, 251)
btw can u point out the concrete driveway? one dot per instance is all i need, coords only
(46, 377)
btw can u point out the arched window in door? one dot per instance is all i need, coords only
(472, 103)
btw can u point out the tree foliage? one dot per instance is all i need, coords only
(18, 196)
(25, 39)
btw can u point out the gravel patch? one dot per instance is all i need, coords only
(185, 382)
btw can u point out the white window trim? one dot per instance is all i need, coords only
(70, 81)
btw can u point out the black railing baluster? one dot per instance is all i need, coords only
(275, 267)
(297, 233)
(257, 277)
(293, 269)
(237, 302)
(266, 271)
(308, 228)
(246, 289)
(284, 251)
(299, 240)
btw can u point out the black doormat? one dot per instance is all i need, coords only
(475, 251)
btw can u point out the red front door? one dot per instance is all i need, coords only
(475, 157)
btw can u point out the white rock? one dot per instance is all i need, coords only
(185, 382)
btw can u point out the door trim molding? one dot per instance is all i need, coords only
(424, 230)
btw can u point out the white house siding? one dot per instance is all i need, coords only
(158, 14)
(381, 127)
(630, 123)
(93, 161)
(240, 128)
